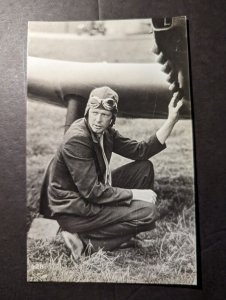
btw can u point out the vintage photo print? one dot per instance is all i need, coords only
(110, 168)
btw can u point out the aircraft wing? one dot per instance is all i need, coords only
(142, 87)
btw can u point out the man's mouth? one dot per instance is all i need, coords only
(97, 126)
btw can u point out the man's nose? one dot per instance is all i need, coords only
(99, 118)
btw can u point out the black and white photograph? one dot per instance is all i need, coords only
(110, 155)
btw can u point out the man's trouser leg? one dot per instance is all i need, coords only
(115, 225)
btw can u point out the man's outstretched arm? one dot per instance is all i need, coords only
(162, 134)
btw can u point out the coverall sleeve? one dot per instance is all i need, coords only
(79, 160)
(135, 150)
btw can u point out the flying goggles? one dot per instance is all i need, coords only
(108, 103)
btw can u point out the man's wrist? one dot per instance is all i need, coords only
(133, 194)
(171, 121)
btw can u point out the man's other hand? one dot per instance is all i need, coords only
(144, 195)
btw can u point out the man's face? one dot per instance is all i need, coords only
(99, 119)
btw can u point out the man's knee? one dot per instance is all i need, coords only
(145, 216)
(145, 169)
(148, 211)
(144, 165)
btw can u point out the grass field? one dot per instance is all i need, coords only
(171, 259)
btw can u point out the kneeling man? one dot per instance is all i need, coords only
(92, 204)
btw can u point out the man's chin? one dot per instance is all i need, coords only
(97, 130)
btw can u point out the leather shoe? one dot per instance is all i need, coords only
(74, 243)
